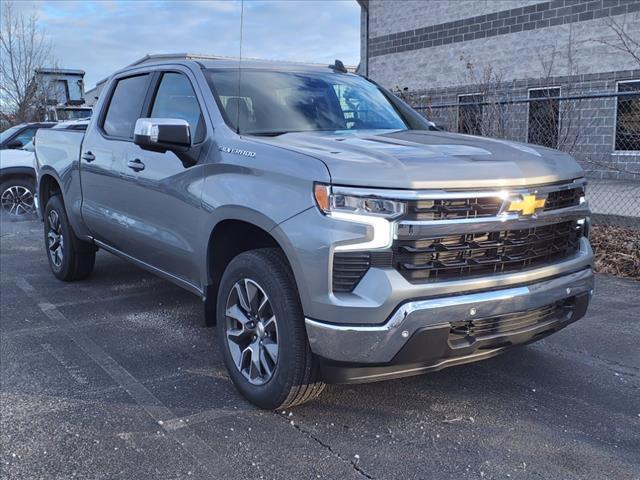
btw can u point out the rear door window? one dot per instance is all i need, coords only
(126, 106)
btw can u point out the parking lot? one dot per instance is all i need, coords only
(116, 377)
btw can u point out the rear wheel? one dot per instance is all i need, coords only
(16, 197)
(262, 334)
(69, 257)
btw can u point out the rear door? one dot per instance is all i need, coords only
(105, 150)
(163, 193)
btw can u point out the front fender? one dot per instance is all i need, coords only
(258, 219)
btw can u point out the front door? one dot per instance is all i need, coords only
(163, 194)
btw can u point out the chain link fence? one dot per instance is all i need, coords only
(601, 130)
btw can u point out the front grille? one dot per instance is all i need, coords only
(350, 267)
(348, 270)
(479, 329)
(480, 207)
(484, 253)
(563, 198)
(454, 209)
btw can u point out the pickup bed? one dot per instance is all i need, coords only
(332, 232)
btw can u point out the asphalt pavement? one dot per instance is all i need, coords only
(116, 377)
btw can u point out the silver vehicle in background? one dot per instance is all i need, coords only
(18, 198)
(333, 234)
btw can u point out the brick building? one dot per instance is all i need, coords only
(544, 72)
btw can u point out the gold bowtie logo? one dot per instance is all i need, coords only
(528, 205)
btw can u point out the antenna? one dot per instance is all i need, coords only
(240, 68)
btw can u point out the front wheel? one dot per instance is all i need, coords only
(262, 334)
(69, 257)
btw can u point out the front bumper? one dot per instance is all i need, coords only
(416, 337)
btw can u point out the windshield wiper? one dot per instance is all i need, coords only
(268, 134)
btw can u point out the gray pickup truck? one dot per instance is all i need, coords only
(333, 234)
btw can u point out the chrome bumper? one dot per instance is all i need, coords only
(376, 344)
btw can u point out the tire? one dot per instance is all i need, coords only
(16, 198)
(293, 378)
(69, 257)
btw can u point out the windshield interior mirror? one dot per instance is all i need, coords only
(162, 134)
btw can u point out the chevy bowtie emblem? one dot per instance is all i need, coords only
(526, 205)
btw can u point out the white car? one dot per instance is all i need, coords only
(18, 175)
(17, 181)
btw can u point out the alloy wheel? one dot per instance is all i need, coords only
(55, 239)
(17, 200)
(252, 331)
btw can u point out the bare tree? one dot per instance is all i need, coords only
(559, 121)
(626, 40)
(481, 110)
(24, 47)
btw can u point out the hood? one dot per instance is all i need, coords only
(417, 159)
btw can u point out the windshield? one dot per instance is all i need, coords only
(9, 132)
(278, 102)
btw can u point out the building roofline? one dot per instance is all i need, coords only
(153, 57)
(364, 4)
(60, 71)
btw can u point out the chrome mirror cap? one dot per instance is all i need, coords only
(162, 134)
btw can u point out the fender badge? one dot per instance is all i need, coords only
(237, 151)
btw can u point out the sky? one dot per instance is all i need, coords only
(100, 37)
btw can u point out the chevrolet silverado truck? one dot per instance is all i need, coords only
(333, 234)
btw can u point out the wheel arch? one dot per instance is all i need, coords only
(17, 172)
(48, 186)
(230, 236)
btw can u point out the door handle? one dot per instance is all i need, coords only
(88, 156)
(136, 165)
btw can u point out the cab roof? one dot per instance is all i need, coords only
(218, 61)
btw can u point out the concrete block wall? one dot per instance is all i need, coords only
(437, 50)
(405, 58)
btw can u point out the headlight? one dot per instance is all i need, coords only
(364, 208)
(329, 201)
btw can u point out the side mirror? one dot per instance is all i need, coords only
(14, 144)
(162, 134)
